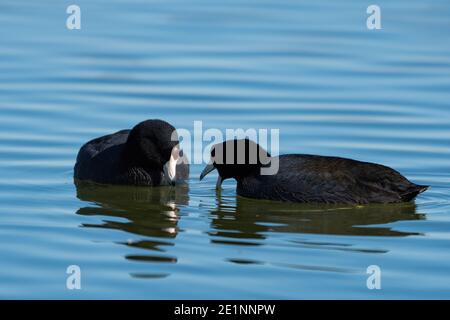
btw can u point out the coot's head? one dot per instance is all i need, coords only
(154, 144)
(236, 159)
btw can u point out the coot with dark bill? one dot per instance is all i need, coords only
(307, 178)
(147, 155)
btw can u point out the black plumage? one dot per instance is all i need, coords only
(133, 157)
(310, 178)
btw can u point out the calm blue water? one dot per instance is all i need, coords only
(313, 70)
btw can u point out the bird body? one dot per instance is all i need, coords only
(320, 179)
(309, 178)
(132, 157)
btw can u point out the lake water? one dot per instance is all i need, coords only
(313, 70)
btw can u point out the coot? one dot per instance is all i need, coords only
(147, 155)
(307, 178)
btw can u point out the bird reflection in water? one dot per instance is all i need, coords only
(151, 213)
(248, 221)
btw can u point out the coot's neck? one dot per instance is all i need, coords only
(132, 157)
(249, 171)
(127, 159)
(130, 165)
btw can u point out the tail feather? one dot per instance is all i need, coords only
(413, 192)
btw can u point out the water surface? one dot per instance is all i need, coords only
(313, 70)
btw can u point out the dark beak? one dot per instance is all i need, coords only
(209, 167)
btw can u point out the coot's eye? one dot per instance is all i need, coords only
(180, 153)
(213, 152)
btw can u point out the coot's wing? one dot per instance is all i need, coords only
(304, 178)
(92, 148)
(85, 165)
(314, 179)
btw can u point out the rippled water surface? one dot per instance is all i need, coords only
(311, 69)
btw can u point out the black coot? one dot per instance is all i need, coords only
(307, 178)
(147, 155)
